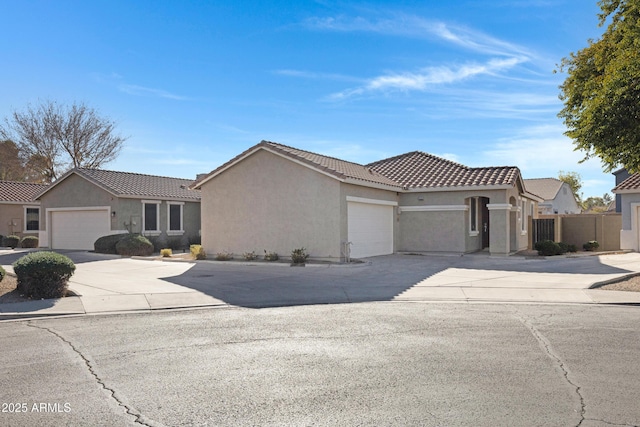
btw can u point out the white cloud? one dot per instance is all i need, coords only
(399, 24)
(146, 91)
(429, 77)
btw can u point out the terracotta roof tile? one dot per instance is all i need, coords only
(631, 183)
(11, 191)
(135, 184)
(421, 170)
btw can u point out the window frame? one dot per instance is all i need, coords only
(26, 219)
(144, 217)
(473, 216)
(171, 232)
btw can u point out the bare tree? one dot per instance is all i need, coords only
(53, 138)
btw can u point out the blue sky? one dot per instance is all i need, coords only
(194, 83)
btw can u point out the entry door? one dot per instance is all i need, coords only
(484, 222)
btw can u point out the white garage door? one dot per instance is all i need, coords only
(78, 229)
(370, 229)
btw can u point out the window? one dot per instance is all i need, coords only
(150, 216)
(174, 218)
(523, 219)
(32, 219)
(473, 215)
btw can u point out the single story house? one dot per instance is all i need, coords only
(277, 198)
(19, 211)
(85, 204)
(558, 196)
(628, 192)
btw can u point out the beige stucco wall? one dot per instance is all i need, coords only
(448, 230)
(266, 202)
(76, 191)
(12, 220)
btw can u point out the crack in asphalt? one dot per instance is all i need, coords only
(138, 418)
(610, 423)
(546, 345)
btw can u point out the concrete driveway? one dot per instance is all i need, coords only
(108, 283)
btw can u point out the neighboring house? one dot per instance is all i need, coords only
(20, 213)
(621, 175)
(557, 195)
(629, 193)
(278, 198)
(85, 204)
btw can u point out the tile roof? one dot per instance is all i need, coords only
(421, 170)
(138, 185)
(340, 169)
(629, 184)
(547, 188)
(11, 191)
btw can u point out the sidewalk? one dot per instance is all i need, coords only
(133, 285)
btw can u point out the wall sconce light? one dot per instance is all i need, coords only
(421, 198)
(113, 214)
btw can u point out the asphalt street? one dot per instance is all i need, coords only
(376, 363)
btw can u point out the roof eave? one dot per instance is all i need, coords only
(456, 188)
(372, 184)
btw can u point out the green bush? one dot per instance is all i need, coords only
(197, 251)
(43, 274)
(572, 248)
(2, 273)
(548, 248)
(29, 242)
(107, 244)
(564, 248)
(299, 256)
(134, 245)
(591, 245)
(270, 256)
(11, 241)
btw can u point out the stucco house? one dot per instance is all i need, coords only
(277, 198)
(20, 213)
(85, 204)
(628, 192)
(557, 195)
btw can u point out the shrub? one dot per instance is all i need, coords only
(29, 242)
(11, 241)
(591, 245)
(43, 274)
(107, 244)
(1, 240)
(250, 256)
(572, 248)
(270, 256)
(299, 256)
(564, 248)
(2, 273)
(166, 253)
(134, 245)
(548, 248)
(223, 256)
(197, 251)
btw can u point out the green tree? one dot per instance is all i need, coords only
(575, 182)
(597, 204)
(601, 92)
(53, 138)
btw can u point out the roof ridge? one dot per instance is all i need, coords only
(424, 153)
(132, 173)
(277, 144)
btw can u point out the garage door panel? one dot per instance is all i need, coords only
(78, 229)
(370, 229)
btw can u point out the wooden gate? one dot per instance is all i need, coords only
(543, 229)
